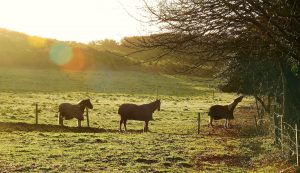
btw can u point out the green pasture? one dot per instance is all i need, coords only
(172, 145)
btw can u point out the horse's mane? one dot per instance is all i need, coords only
(154, 103)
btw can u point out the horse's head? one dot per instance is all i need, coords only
(239, 99)
(87, 103)
(158, 104)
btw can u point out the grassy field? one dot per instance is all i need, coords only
(172, 145)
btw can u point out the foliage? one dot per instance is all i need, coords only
(253, 71)
(213, 30)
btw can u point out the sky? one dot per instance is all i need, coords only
(74, 20)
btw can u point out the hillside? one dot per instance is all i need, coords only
(21, 50)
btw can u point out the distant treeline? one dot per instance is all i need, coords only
(21, 50)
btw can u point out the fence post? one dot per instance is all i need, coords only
(87, 117)
(281, 126)
(276, 131)
(297, 152)
(36, 114)
(198, 123)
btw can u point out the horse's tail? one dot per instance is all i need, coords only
(119, 110)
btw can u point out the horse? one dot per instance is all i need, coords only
(217, 112)
(143, 112)
(69, 111)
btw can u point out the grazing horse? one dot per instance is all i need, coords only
(138, 112)
(217, 112)
(69, 111)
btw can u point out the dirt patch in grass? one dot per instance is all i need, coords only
(276, 160)
(242, 126)
(249, 151)
(228, 160)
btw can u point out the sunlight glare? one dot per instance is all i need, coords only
(37, 42)
(77, 61)
(70, 20)
(60, 53)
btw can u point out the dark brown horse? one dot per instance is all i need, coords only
(69, 111)
(217, 112)
(138, 112)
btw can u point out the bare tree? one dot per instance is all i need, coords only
(216, 30)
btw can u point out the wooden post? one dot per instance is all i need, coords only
(78, 123)
(87, 117)
(297, 152)
(198, 123)
(281, 126)
(36, 114)
(276, 130)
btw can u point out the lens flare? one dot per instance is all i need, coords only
(60, 53)
(77, 61)
(37, 41)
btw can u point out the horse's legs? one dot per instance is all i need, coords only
(125, 120)
(210, 121)
(60, 119)
(225, 123)
(121, 121)
(228, 123)
(146, 126)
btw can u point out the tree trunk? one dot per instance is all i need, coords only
(290, 96)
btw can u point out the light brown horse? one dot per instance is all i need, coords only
(138, 112)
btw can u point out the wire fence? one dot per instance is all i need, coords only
(33, 113)
(286, 136)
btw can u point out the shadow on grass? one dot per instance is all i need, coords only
(236, 131)
(11, 126)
